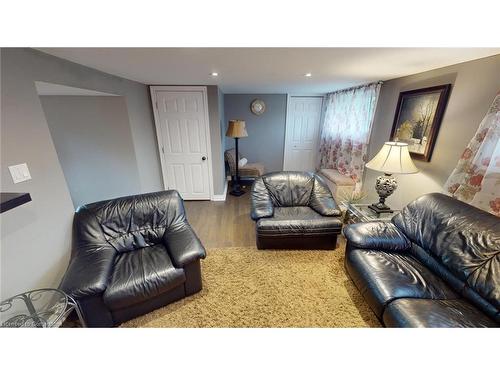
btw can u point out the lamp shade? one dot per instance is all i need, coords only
(393, 157)
(236, 129)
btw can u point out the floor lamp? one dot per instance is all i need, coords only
(236, 130)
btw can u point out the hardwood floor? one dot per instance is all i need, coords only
(223, 224)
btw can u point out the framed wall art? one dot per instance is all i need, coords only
(417, 119)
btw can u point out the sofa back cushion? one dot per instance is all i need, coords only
(132, 222)
(288, 189)
(462, 238)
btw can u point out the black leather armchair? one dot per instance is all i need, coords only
(132, 255)
(436, 265)
(294, 210)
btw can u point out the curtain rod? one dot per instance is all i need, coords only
(357, 87)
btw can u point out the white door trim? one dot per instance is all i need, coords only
(287, 119)
(203, 89)
(221, 197)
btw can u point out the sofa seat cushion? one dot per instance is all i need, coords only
(382, 276)
(337, 178)
(300, 221)
(417, 313)
(140, 275)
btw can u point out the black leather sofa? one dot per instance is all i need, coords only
(132, 255)
(436, 265)
(294, 210)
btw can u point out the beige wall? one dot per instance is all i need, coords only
(474, 85)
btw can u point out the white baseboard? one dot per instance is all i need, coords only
(220, 197)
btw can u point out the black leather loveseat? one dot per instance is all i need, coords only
(294, 210)
(132, 255)
(436, 265)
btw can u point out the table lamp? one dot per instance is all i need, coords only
(393, 157)
(236, 130)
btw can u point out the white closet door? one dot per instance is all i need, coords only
(302, 133)
(183, 138)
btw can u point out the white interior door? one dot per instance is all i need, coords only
(302, 132)
(183, 137)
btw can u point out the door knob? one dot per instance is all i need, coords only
(203, 158)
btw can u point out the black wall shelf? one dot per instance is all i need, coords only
(8, 201)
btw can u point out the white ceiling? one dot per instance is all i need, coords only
(267, 70)
(46, 88)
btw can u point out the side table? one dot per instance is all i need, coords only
(39, 308)
(361, 213)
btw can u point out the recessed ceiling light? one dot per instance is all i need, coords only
(214, 74)
(308, 75)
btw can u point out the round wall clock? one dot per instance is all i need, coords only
(258, 107)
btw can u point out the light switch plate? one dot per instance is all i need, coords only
(20, 173)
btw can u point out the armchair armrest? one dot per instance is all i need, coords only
(322, 200)
(262, 205)
(376, 236)
(88, 271)
(183, 245)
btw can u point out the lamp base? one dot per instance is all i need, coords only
(380, 209)
(237, 191)
(385, 186)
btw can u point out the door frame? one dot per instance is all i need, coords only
(159, 138)
(287, 118)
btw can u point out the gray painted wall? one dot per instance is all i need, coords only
(35, 238)
(474, 87)
(222, 125)
(266, 133)
(86, 131)
(214, 115)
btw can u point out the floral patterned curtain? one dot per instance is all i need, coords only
(346, 130)
(476, 178)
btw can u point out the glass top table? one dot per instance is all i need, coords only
(362, 213)
(40, 308)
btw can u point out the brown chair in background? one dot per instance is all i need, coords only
(252, 170)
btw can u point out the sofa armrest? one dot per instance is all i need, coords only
(183, 245)
(322, 200)
(88, 271)
(376, 236)
(262, 205)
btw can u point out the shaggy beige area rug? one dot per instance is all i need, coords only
(246, 287)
